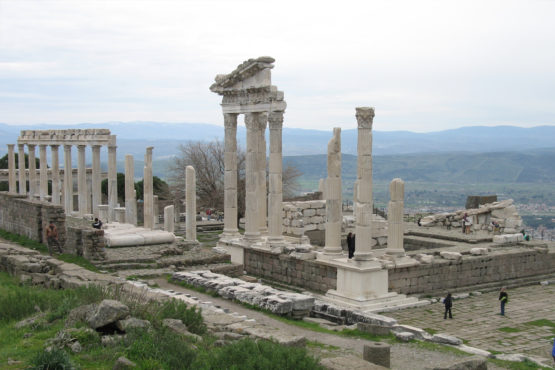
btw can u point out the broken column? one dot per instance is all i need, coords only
(334, 213)
(21, 166)
(103, 212)
(130, 201)
(55, 175)
(96, 181)
(112, 181)
(168, 219)
(230, 177)
(395, 217)
(82, 180)
(148, 191)
(68, 181)
(12, 184)
(32, 171)
(363, 203)
(275, 196)
(191, 204)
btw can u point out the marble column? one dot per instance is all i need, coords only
(190, 204)
(55, 174)
(363, 202)
(96, 181)
(112, 183)
(261, 179)
(275, 196)
(68, 181)
(103, 212)
(169, 225)
(21, 168)
(82, 180)
(395, 223)
(32, 171)
(148, 191)
(130, 201)
(334, 214)
(43, 173)
(155, 212)
(253, 121)
(230, 176)
(12, 183)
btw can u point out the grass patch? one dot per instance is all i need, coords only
(524, 365)
(541, 322)
(193, 287)
(440, 348)
(78, 260)
(430, 331)
(507, 329)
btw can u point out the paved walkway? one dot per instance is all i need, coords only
(476, 320)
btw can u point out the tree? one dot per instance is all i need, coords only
(160, 188)
(4, 166)
(207, 158)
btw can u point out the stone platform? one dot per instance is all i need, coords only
(126, 235)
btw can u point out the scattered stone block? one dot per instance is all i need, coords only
(417, 332)
(132, 323)
(373, 329)
(450, 255)
(377, 353)
(107, 312)
(404, 336)
(425, 258)
(478, 251)
(123, 363)
(446, 339)
(472, 363)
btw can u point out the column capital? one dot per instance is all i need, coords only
(67, 147)
(96, 146)
(11, 146)
(256, 121)
(31, 146)
(81, 146)
(275, 120)
(365, 117)
(54, 146)
(43, 145)
(230, 120)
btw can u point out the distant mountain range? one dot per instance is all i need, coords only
(134, 137)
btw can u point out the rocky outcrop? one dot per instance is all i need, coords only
(107, 312)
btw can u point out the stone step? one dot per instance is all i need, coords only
(453, 236)
(126, 266)
(401, 306)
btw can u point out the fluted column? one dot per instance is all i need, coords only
(148, 194)
(112, 183)
(395, 223)
(230, 176)
(96, 181)
(275, 196)
(43, 173)
(68, 181)
(190, 204)
(55, 174)
(12, 183)
(363, 203)
(334, 214)
(130, 201)
(261, 179)
(253, 121)
(32, 171)
(82, 180)
(21, 168)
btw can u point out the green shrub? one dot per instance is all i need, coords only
(248, 354)
(56, 359)
(176, 309)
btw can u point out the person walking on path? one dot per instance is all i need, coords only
(52, 238)
(448, 302)
(553, 350)
(351, 245)
(503, 298)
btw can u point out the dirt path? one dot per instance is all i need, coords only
(403, 356)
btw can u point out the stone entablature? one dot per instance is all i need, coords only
(67, 137)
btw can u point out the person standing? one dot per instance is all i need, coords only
(448, 302)
(52, 238)
(503, 299)
(351, 245)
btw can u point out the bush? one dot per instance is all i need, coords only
(249, 354)
(55, 359)
(176, 309)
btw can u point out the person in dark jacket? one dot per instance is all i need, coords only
(351, 245)
(503, 299)
(448, 302)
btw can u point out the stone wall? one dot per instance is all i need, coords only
(299, 217)
(470, 271)
(287, 269)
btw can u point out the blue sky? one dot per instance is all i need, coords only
(424, 65)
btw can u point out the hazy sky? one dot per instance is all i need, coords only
(424, 65)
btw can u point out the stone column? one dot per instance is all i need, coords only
(112, 183)
(363, 202)
(168, 219)
(32, 171)
(82, 180)
(155, 219)
(130, 201)
(253, 121)
(230, 177)
(191, 204)
(55, 174)
(96, 181)
(275, 196)
(148, 194)
(395, 223)
(68, 181)
(21, 167)
(261, 179)
(334, 214)
(12, 183)
(103, 212)
(43, 173)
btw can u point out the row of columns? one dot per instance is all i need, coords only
(84, 206)
(262, 209)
